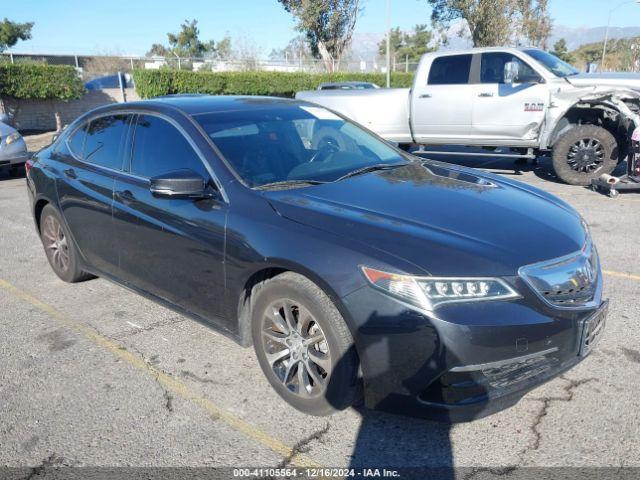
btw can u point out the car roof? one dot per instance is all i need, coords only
(441, 53)
(352, 82)
(196, 104)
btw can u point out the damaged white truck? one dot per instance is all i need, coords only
(526, 100)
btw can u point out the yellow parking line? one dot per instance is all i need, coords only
(628, 276)
(164, 379)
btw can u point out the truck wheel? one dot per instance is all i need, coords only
(584, 153)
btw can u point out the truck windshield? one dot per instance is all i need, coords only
(287, 146)
(552, 63)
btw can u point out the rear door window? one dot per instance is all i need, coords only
(160, 148)
(450, 70)
(105, 138)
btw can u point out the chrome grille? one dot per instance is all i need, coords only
(570, 281)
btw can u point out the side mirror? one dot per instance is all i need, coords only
(511, 70)
(180, 184)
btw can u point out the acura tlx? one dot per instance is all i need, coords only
(358, 272)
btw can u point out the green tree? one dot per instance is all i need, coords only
(497, 22)
(223, 48)
(157, 50)
(535, 21)
(186, 43)
(561, 51)
(412, 45)
(489, 21)
(12, 32)
(327, 24)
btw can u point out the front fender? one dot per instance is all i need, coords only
(565, 100)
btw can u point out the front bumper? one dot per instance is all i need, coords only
(472, 360)
(13, 154)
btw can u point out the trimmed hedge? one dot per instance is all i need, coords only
(60, 82)
(152, 83)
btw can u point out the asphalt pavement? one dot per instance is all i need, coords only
(94, 375)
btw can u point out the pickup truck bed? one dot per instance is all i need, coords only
(384, 110)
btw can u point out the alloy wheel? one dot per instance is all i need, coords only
(296, 348)
(586, 155)
(55, 243)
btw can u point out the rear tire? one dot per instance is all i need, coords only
(61, 252)
(584, 153)
(287, 312)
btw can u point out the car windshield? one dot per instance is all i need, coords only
(552, 63)
(293, 145)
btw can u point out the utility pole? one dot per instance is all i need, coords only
(388, 43)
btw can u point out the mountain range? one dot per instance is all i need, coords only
(365, 44)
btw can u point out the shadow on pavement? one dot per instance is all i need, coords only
(11, 174)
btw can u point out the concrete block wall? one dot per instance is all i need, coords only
(40, 114)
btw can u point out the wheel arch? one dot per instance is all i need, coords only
(267, 271)
(37, 210)
(591, 113)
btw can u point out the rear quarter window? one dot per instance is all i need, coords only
(75, 142)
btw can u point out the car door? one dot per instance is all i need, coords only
(511, 113)
(170, 247)
(441, 103)
(90, 160)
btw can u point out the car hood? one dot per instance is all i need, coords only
(445, 220)
(612, 79)
(6, 130)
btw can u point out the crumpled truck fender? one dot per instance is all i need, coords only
(563, 100)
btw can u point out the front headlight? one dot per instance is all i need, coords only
(13, 137)
(429, 292)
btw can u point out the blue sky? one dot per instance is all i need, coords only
(130, 27)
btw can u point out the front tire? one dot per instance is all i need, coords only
(303, 345)
(584, 153)
(59, 247)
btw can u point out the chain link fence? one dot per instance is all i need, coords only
(92, 66)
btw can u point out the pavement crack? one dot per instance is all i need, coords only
(193, 376)
(168, 400)
(152, 363)
(569, 390)
(302, 445)
(151, 326)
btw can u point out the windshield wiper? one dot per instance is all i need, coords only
(371, 168)
(288, 183)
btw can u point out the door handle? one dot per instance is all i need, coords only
(485, 94)
(71, 173)
(126, 196)
(425, 95)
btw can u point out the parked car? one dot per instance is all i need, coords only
(110, 81)
(524, 99)
(354, 269)
(347, 86)
(13, 149)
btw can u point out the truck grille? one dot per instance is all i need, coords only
(569, 282)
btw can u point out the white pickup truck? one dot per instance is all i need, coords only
(524, 99)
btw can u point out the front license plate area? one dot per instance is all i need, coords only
(593, 328)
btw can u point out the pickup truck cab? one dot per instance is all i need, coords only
(504, 97)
